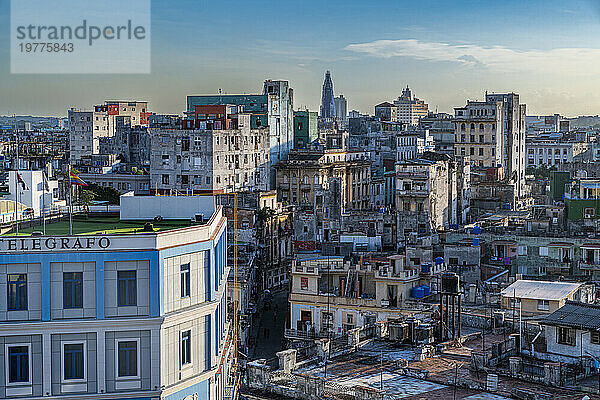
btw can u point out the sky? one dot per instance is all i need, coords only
(448, 52)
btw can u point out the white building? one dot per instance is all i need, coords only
(140, 313)
(410, 109)
(35, 195)
(572, 333)
(552, 152)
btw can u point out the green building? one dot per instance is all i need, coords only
(558, 180)
(583, 199)
(305, 128)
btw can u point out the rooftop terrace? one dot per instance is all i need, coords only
(101, 225)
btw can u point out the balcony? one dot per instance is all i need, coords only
(413, 192)
(323, 299)
(585, 265)
(403, 275)
(412, 175)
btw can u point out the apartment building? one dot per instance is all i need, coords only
(137, 312)
(273, 109)
(330, 296)
(207, 157)
(410, 109)
(548, 152)
(86, 128)
(478, 133)
(422, 196)
(303, 177)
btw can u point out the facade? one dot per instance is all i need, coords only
(386, 112)
(422, 196)
(330, 296)
(341, 109)
(305, 128)
(513, 141)
(39, 194)
(550, 153)
(410, 109)
(197, 159)
(274, 108)
(406, 146)
(478, 134)
(128, 315)
(307, 177)
(137, 183)
(275, 234)
(86, 128)
(541, 297)
(327, 102)
(573, 332)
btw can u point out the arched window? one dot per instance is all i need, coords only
(462, 127)
(481, 127)
(285, 179)
(472, 127)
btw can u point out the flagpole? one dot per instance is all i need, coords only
(44, 183)
(70, 202)
(16, 173)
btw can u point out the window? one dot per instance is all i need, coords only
(73, 361)
(186, 347)
(165, 179)
(303, 283)
(17, 292)
(565, 336)
(595, 337)
(18, 364)
(126, 288)
(543, 305)
(185, 280)
(127, 358)
(73, 290)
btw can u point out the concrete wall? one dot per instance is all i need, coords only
(168, 207)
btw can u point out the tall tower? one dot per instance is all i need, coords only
(327, 104)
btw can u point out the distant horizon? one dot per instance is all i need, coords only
(448, 53)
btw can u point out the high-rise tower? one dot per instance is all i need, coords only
(327, 103)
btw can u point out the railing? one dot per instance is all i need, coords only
(584, 265)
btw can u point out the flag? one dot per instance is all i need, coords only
(45, 180)
(76, 180)
(21, 182)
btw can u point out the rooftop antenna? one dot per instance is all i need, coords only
(220, 99)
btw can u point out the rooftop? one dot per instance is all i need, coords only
(102, 225)
(575, 315)
(541, 290)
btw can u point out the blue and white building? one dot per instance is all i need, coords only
(139, 314)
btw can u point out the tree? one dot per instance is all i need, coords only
(86, 197)
(105, 193)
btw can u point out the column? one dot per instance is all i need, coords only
(155, 366)
(100, 290)
(46, 363)
(46, 286)
(101, 360)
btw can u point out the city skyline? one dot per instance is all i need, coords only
(447, 55)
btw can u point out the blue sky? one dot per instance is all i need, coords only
(447, 51)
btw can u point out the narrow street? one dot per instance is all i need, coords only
(269, 326)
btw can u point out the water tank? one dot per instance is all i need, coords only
(425, 290)
(476, 230)
(418, 292)
(450, 283)
(425, 268)
(439, 260)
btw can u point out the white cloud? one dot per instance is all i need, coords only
(573, 61)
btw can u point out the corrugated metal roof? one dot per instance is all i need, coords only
(540, 290)
(575, 315)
